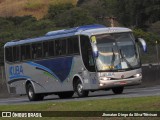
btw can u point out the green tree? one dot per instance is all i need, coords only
(74, 17)
(55, 10)
(155, 27)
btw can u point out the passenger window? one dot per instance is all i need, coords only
(36, 50)
(51, 48)
(25, 52)
(63, 46)
(16, 54)
(8, 54)
(58, 47)
(46, 49)
(76, 44)
(70, 46)
(73, 45)
(87, 55)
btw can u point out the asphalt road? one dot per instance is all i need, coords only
(128, 93)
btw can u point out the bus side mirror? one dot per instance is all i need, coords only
(143, 43)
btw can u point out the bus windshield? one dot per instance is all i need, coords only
(117, 52)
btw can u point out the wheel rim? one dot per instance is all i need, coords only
(30, 92)
(80, 88)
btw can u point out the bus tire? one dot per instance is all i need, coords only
(63, 95)
(78, 88)
(117, 90)
(31, 94)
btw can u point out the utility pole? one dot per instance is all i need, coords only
(157, 52)
(112, 20)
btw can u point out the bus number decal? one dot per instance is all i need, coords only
(15, 70)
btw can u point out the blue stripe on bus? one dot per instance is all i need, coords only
(18, 77)
(41, 67)
(60, 68)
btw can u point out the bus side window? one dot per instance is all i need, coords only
(73, 45)
(76, 44)
(63, 46)
(8, 54)
(36, 50)
(39, 50)
(87, 56)
(58, 47)
(27, 52)
(16, 53)
(45, 49)
(70, 46)
(23, 52)
(51, 48)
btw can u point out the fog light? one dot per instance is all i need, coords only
(101, 84)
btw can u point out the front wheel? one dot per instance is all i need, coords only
(78, 88)
(117, 90)
(31, 94)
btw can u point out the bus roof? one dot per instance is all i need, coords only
(81, 30)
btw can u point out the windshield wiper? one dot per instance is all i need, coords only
(113, 58)
(122, 57)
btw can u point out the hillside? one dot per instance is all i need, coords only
(37, 8)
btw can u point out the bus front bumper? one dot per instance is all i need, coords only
(104, 84)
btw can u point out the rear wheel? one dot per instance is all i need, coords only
(31, 94)
(117, 90)
(65, 94)
(78, 88)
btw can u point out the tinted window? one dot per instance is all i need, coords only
(73, 45)
(87, 56)
(70, 46)
(63, 46)
(36, 50)
(25, 52)
(58, 47)
(16, 53)
(8, 54)
(46, 49)
(51, 48)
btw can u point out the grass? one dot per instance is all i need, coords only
(37, 8)
(123, 104)
(33, 6)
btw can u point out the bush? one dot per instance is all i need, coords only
(43, 24)
(55, 10)
(6, 35)
(150, 38)
(5, 24)
(19, 20)
(155, 27)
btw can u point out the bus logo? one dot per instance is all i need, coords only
(15, 70)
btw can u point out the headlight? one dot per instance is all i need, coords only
(138, 75)
(105, 78)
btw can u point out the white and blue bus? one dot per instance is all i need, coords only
(77, 60)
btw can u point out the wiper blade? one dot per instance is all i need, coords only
(113, 58)
(122, 56)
